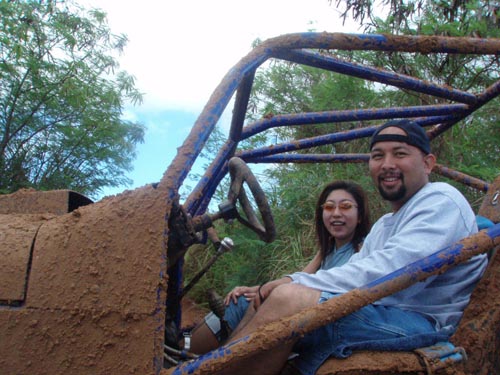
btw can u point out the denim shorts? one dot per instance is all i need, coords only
(374, 327)
(235, 312)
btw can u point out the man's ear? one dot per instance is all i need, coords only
(429, 162)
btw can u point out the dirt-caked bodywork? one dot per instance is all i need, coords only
(93, 288)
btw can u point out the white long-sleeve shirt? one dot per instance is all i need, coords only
(435, 217)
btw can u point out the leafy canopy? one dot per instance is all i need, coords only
(62, 98)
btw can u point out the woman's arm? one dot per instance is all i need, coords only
(314, 264)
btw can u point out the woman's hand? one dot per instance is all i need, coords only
(249, 292)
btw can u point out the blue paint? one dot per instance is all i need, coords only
(195, 364)
(293, 47)
(433, 262)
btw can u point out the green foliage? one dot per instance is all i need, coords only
(61, 99)
(462, 148)
(239, 267)
(410, 17)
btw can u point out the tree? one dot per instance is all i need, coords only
(289, 88)
(463, 147)
(476, 18)
(61, 99)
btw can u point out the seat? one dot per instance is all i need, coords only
(479, 329)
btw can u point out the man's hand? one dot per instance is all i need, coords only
(265, 290)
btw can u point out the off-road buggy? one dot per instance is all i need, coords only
(91, 288)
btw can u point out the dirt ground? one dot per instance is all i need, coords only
(191, 312)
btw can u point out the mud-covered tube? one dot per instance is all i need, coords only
(276, 333)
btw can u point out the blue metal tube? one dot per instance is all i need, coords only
(204, 125)
(474, 182)
(378, 42)
(240, 107)
(309, 142)
(440, 261)
(487, 95)
(240, 78)
(298, 324)
(208, 182)
(312, 158)
(245, 69)
(210, 188)
(377, 75)
(207, 185)
(353, 115)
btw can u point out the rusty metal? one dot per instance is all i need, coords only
(29, 201)
(226, 245)
(465, 179)
(440, 356)
(290, 47)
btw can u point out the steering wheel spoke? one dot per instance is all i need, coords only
(240, 174)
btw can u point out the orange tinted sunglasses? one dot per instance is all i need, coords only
(343, 206)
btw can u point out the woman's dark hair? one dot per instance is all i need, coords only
(325, 240)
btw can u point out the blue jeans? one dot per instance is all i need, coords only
(374, 327)
(235, 312)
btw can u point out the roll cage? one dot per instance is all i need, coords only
(305, 49)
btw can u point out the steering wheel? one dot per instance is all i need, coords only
(240, 173)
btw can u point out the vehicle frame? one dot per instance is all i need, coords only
(96, 287)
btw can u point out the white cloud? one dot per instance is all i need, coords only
(180, 50)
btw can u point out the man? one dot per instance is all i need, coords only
(425, 217)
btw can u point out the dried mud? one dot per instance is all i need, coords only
(90, 297)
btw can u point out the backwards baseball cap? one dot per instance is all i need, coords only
(415, 135)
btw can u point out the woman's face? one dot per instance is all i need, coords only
(340, 216)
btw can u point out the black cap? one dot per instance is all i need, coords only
(415, 135)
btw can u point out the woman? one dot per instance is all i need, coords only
(342, 221)
(337, 239)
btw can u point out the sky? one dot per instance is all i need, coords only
(179, 51)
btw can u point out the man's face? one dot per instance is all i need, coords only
(398, 169)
